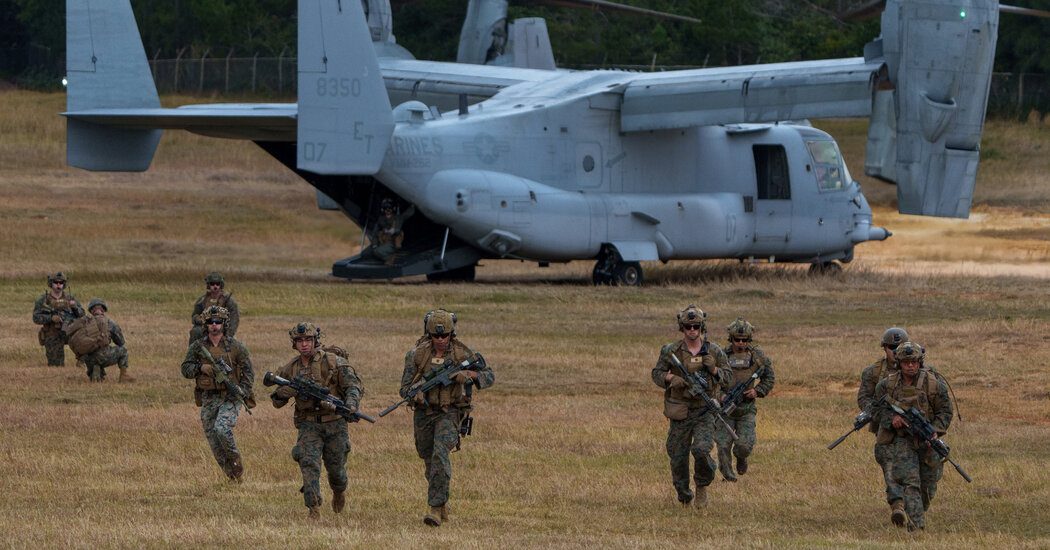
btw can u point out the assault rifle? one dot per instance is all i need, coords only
(310, 389)
(698, 388)
(863, 419)
(735, 395)
(920, 427)
(441, 376)
(222, 376)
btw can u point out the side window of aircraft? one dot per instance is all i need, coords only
(827, 165)
(771, 168)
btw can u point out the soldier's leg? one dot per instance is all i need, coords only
(307, 452)
(336, 449)
(225, 422)
(745, 445)
(725, 451)
(209, 412)
(55, 349)
(904, 471)
(439, 471)
(703, 442)
(384, 252)
(929, 476)
(678, 440)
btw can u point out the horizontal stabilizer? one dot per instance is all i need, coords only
(757, 93)
(345, 121)
(106, 68)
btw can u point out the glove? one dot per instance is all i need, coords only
(207, 369)
(678, 383)
(284, 392)
(328, 406)
(460, 377)
(710, 364)
(419, 399)
(56, 319)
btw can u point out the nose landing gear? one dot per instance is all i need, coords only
(610, 269)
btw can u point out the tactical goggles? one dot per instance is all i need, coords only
(441, 336)
(692, 327)
(213, 322)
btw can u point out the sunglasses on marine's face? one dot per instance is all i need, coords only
(740, 340)
(691, 327)
(440, 336)
(214, 321)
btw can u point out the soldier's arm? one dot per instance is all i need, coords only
(941, 409)
(485, 376)
(663, 366)
(275, 398)
(247, 373)
(235, 316)
(866, 391)
(724, 375)
(766, 381)
(191, 365)
(77, 310)
(883, 414)
(198, 309)
(42, 315)
(115, 334)
(406, 375)
(351, 385)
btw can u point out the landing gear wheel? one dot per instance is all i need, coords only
(599, 276)
(825, 268)
(460, 274)
(628, 274)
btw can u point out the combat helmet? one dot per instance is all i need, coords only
(894, 337)
(97, 302)
(909, 350)
(304, 330)
(56, 277)
(216, 312)
(440, 322)
(386, 203)
(692, 315)
(215, 277)
(740, 328)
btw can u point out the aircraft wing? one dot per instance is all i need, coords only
(413, 76)
(254, 121)
(754, 93)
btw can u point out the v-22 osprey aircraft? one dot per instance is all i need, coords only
(552, 165)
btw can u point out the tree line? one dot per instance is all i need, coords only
(732, 32)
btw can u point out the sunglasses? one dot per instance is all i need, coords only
(214, 321)
(741, 340)
(440, 336)
(214, 284)
(691, 327)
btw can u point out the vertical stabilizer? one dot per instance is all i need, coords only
(345, 121)
(483, 37)
(531, 44)
(106, 68)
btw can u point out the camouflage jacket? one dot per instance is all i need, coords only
(46, 307)
(717, 383)
(329, 371)
(231, 351)
(869, 377)
(742, 366)
(225, 300)
(927, 393)
(421, 359)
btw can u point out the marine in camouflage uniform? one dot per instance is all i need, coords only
(113, 354)
(439, 414)
(54, 311)
(323, 435)
(215, 296)
(692, 426)
(912, 469)
(386, 236)
(219, 409)
(744, 360)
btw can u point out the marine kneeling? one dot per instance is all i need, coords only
(327, 393)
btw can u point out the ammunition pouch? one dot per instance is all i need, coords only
(198, 397)
(675, 410)
(41, 336)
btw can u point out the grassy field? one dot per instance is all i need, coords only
(568, 450)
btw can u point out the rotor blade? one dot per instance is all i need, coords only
(602, 4)
(1024, 11)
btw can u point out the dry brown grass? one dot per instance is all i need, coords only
(568, 450)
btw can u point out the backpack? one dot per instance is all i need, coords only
(88, 334)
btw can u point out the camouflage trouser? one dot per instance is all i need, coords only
(744, 426)
(105, 357)
(219, 417)
(55, 348)
(909, 476)
(381, 252)
(695, 435)
(321, 441)
(436, 436)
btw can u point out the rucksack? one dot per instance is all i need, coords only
(88, 334)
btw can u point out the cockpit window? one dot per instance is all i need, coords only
(827, 165)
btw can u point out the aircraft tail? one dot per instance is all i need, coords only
(939, 56)
(344, 122)
(106, 68)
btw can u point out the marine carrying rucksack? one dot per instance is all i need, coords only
(88, 334)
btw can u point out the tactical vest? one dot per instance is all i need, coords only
(452, 395)
(675, 396)
(908, 396)
(743, 365)
(233, 358)
(60, 306)
(324, 371)
(206, 301)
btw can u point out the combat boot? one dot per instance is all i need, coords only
(433, 518)
(741, 465)
(700, 500)
(124, 377)
(898, 516)
(237, 470)
(444, 512)
(338, 501)
(315, 513)
(95, 373)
